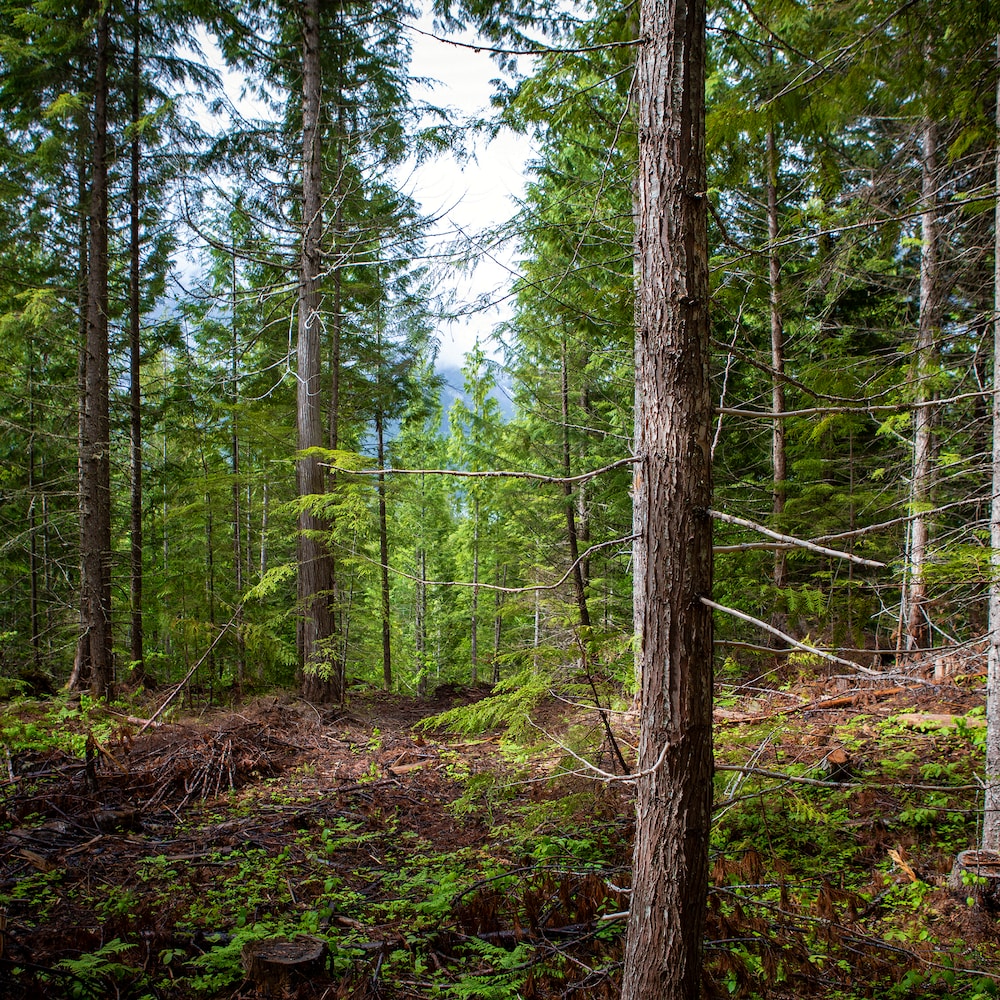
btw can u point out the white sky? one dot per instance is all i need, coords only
(465, 197)
(473, 195)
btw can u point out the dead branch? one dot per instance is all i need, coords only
(796, 542)
(488, 474)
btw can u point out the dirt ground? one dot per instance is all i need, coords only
(159, 850)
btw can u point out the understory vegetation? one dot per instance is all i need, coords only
(469, 862)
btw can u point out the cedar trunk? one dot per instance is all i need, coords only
(673, 550)
(95, 445)
(315, 576)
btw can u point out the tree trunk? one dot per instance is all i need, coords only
(383, 549)
(474, 623)
(235, 462)
(579, 589)
(315, 576)
(95, 500)
(135, 386)
(673, 550)
(917, 625)
(991, 816)
(778, 460)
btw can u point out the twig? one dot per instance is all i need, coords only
(487, 474)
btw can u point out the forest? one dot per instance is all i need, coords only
(300, 644)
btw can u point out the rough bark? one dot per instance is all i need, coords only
(673, 551)
(135, 386)
(95, 498)
(917, 626)
(991, 816)
(315, 573)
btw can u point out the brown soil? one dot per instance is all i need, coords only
(195, 797)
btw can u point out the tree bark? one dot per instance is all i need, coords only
(383, 549)
(672, 496)
(779, 468)
(95, 499)
(135, 386)
(579, 588)
(991, 813)
(917, 625)
(315, 572)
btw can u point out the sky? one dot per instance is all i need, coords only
(463, 197)
(470, 196)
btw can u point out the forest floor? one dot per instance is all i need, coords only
(403, 860)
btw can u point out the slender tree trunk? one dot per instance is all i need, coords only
(135, 386)
(778, 461)
(80, 675)
(95, 452)
(383, 549)
(579, 588)
(235, 461)
(33, 517)
(474, 623)
(315, 578)
(917, 625)
(991, 815)
(501, 579)
(673, 489)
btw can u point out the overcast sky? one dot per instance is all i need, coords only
(474, 195)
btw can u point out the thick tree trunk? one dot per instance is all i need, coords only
(315, 577)
(95, 500)
(991, 816)
(917, 626)
(673, 551)
(135, 387)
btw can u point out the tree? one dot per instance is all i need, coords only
(673, 488)
(991, 811)
(315, 564)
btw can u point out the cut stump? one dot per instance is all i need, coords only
(272, 964)
(976, 876)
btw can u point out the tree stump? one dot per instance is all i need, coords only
(272, 964)
(976, 876)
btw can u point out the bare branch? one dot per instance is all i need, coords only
(795, 542)
(787, 638)
(489, 474)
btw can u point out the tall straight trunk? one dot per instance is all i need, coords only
(779, 467)
(501, 579)
(315, 571)
(95, 500)
(420, 625)
(383, 550)
(234, 450)
(80, 675)
(672, 498)
(579, 589)
(991, 814)
(917, 626)
(33, 517)
(474, 623)
(135, 386)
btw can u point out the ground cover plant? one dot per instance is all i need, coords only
(434, 862)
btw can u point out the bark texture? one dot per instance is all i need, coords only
(673, 551)
(315, 577)
(95, 445)
(991, 813)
